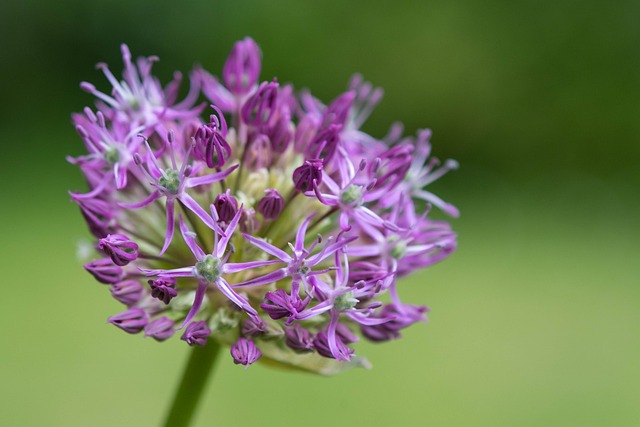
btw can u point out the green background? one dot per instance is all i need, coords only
(534, 319)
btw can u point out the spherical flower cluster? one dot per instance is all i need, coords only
(276, 226)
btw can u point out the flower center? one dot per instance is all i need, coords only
(170, 180)
(345, 301)
(208, 268)
(351, 194)
(111, 154)
(398, 250)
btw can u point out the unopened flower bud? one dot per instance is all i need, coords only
(127, 292)
(252, 328)
(196, 333)
(120, 249)
(104, 271)
(245, 352)
(305, 175)
(299, 339)
(271, 204)
(242, 68)
(160, 329)
(226, 206)
(163, 288)
(259, 108)
(132, 321)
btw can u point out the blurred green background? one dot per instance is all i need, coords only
(534, 320)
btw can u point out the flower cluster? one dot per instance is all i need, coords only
(276, 226)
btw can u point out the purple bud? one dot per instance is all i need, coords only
(105, 271)
(97, 213)
(248, 221)
(378, 333)
(259, 108)
(298, 339)
(403, 315)
(163, 288)
(252, 328)
(245, 352)
(210, 143)
(280, 304)
(121, 250)
(338, 111)
(321, 344)
(304, 176)
(159, 329)
(271, 204)
(345, 334)
(132, 321)
(226, 206)
(258, 154)
(127, 292)
(196, 333)
(242, 68)
(280, 135)
(325, 143)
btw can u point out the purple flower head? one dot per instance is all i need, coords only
(256, 259)
(163, 288)
(159, 329)
(299, 339)
(305, 175)
(105, 271)
(271, 204)
(131, 321)
(196, 333)
(242, 69)
(226, 206)
(127, 292)
(258, 110)
(120, 249)
(245, 352)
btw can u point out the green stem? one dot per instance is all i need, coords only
(194, 379)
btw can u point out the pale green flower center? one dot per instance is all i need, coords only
(351, 194)
(345, 301)
(170, 180)
(208, 268)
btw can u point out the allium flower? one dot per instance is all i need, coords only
(295, 224)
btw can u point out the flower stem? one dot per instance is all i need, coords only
(194, 378)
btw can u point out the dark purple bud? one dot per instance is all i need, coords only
(280, 304)
(245, 352)
(105, 271)
(321, 344)
(298, 339)
(159, 329)
(127, 292)
(242, 68)
(226, 206)
(97, 213)
(404, 315)
(163, 288)
(271, 204)
(253, 328)
(378, 333)
(211, 145)
(132, 321)
(280, 135)
(196, 333)
(120, 249)
(260, 107)
(305, 175)
(324, 144)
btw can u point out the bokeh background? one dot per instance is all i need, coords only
(534, 320)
